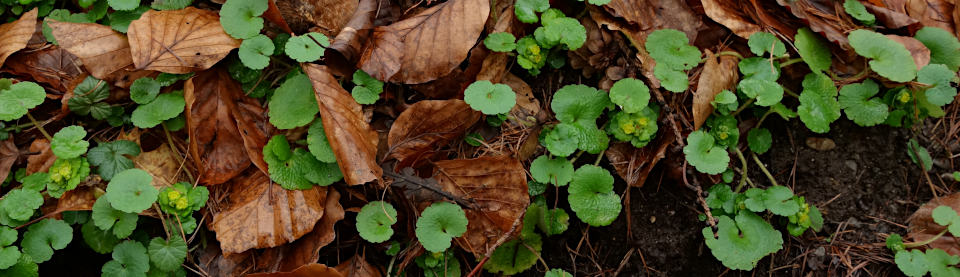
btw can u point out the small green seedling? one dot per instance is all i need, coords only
(297, 168)
(500, 42)
(556, 171)
(366, 89)
(578, 107)
(255, 52)
(917, 263)
(490, 98)
(637, 128)
(182, 199)
(66, 174)
(241, 18)
(591, 196)
(88, 99)
(308, 47)
(919, 155)
(674, 56)
(859, 12)
(375, 221)
(439, 224)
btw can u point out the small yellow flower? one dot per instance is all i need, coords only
(173, 195)
(628, 128)
(642, 122)
(904, 97)
(181, 203)
(724, 135)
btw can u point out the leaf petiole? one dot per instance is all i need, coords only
(789, 62)
(743, 173)
(39, 127)
(925, 242)
(764, 169)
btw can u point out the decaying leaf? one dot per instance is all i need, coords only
(52, 65)
(822, 18)
(102, 50)
(178, 41)
(261, 214)
(162, 165)
(357, 266)
(351, 138)
(348, 44)
(427, 45)
(81, 198)
(634, 164)
(43, 159)
(427, 126)
(216, 142)
(328, 15)
(922, 227)
(15, 35)
(8, 155)
(528, 107)
(730, 15)
(715, 77)
(310, 270)
(497, 187)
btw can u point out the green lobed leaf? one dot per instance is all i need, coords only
(120, 20)
(21, 204)
(721, 196)
(562, 140)
(759, 140)
(526, 10)
(297, 169)
(856, 101)
(87, 97)
(704, 155)
(101, 241)
(513, 256)
(556, 171)
(564, 30)
(45, 236)
(818, 103)
(919, 155)
(375, 221)
(123, 5)
(25, 267)
(167, 255)
(812, 49)
(859, 12)
(500, 42)
(293, 103)
(742, 243)
(490, 98)
(438, 224)
(307, 47)
(576, 103)
(68, 143)
(670, 79)
(130, 191)
(18, 98)
(129, 259)
(106, 218)
(591, 196)
(759, 68)
(940, 77)
(763, 42)
(144, 90)
(241, 18)
(367, 90)
(255, 51)
(944, 46)
(889, 58)
(111, 158)
(318, 144)
(631, 94)
(164, 107)
(671, 48)
(766, 92)
(940, 263)
(912, 263)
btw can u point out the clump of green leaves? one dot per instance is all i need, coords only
(297, 168)
(548, 42)
(917, 263)
(591, 196)
(366, 89)
(375, 221)
(161, 108)
(577, 107)
(111, 158)
(438, 224)
(88, 99)
(182, 199)
(674, 56)
(490, 98)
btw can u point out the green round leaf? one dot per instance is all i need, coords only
(813, 50)
(164, 107)
(101, 241)
(255, 52)
(562, 140)
(940, 77)
(438, 224)
(763, 42)
(526, 10)
(856, 101)
(293, 103)
(759, 140)
(18, 98)
(241, 18)
(671, 48)
(130, 191)
(566, 31)
(500, 42)
(513, 256)
(704, 155)
(129, 259)
(307, 47)
(105, 217)
(559, 272)
(818, 103)
(111, 158)
(375, 221)
(759, 68)
(68, 143)
(43, 237)
(858, 11)
(890, 59)
(20, 204)
(558, 171)
(672, 80)
(944, 46)
(766, 92)
(490, 98)
(631, 94)
(123, 5)
(592, 197)
(742, 243)
(318, 144)
(25, 267)
(576, 103)
(87, 97)
(167, 255)
(144, 90)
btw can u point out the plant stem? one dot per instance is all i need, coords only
(576, 156)
(743, 173)
(599, 158)
(763, 117)
(764, 169)
(173, 148)
(730, 53)
(789, 62)
(39, 127)
(790, 92)
(17, 127)
(743, 107)
(922, 243)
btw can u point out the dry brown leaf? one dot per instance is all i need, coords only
(425, 46)
(922, 227)
(357, 266)
(933, 13)
(213, 100)
(822, 18)
(919, 52)
(44, 158)
(890, 18)
(162, 165)
(51, 65)
(528, 107)
(81, 198)
(260, 214)
(178, 41)
(715, 77)
(306, 249)
(310, 270)
(274, 16)
(634, 164)
(15, 35)
(730, 15)
(494, 67)
(497, 187)
(327, 15)
(8, 155)
(351, 138)
(427, 126)
(102, 50)
(348, 44)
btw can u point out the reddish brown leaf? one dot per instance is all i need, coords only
(51, 65)
(15, 35)
(933, 13)
(351, 138)
(425, 46)
(81, 198)
(497, 187)
(102, 50)
(178, 41)
(919, 52)
(44, 158)
(715, 77)
(260, 214)
(730, 14)
(310, 270)
(327, 15)
(427, 126)
(528, 107)
(8, 155)
(162, 165)
(890, 18)
(215, 140)
(922, 227)
(348, 44)
(273, 15)
(357, 267)
(822, 16)
(634, 164)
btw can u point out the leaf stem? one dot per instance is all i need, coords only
(173, 147)
(925, 242)
(763, 118)
(743, 107)
(18, 127)
(743, 173)
(730, 53)
(790, 92)
(764, 169)
(789, 62)
(39, 127)
(576, 156)
(599, 158)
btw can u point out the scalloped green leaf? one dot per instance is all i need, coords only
(575, 103)
(25, 267)
(111, 158)
(490, 98)
(500, 42)
(940, 77)
(818, 103)
(513, 256)
(672, 80)
(814, 51)
(123, 5)
(297, 169)
(562, 30)
(556, 171)
(21, 204)
(18, 98)
(672, 49)
(759, 68)
(858, 103)
(68, 143)
(255, 52)
(88, 96)
(763, 42)
(306, 47)
(438, 224)
(130, 191)
(375, 221)
(241, 18)
(759, 140)
(101, 241)
(859, 12)
(631, 94)
(591, 196)
(562, 140)
(526, 10)
(742, 243)
(318, 144)
(558, 272)
(107, 218)
(293, 103)
(704, 155)
(944, 46)
(167, 255)
(889, 58)
(45, 236)
(776, 199)
(144, 90)
(367, 89)
(164, 107)
(766, 92)
(129, 259)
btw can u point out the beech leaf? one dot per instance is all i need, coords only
(178, 41)
(426, 126)
(15, 35)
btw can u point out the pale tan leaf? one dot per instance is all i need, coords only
(919, 52)
(425, 46)
(923, 228)
(351, 138)
(44, 158)
(425, 127)
(358, 267)
(179, 41)
(716, 77)
(102, 50)
(727, 14)
(327, 15)
(15, 35)
(162, 165)
(8, 155)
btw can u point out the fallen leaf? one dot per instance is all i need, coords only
(923, 228)
(81, 198)
(636, 12)
(162, 165)
(212, 99)
(178, 41)
(821, 144)
(310, 270)
(348, 44)
(528, 107)
(15, 35)
(255, 130)
(357, 266)
(730, 15)
(497, 187)
(102, 50)
(890, 18)
(822, 18)
(425, 127)
(273, 15)
(634, 164)
(8, 155)
(44, 158)
(260, 214)
(919, 52)
(715, 77)
(328, 15)
(933, 13)
(52, 65)
(494, 67)
(427, 45)
(353, 141)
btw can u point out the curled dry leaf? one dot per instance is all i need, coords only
(427, 45)
(213, 101)
(305, 250)
(730, 14)
(353, 141)
(822, 18)
(310, 270)
(273, 15)
(44, 158)
(51, 65)
(357, 267)
(919, 52)
(890, 18)
(933, 13)
(260, 214)
(8, 155)
(922, 227)
(162, 165)
(348, 44)
(178, 41)
(102, 50)
(528, 107)
(427, 126)
(81, 198)
(634, 164)
(15, 35)
(715, 77)
(328, 15)
(497, 187)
